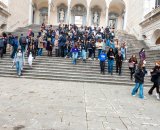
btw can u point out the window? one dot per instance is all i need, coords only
(157, 3)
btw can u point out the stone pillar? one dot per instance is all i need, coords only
(68, 13)
(107, 16)
(30, 12)
(49, 11)
(125, 21)
(87, 18)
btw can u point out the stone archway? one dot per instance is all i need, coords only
(156, 37)
(116, 14)
(78, 15)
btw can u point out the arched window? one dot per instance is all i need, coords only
(157, 3)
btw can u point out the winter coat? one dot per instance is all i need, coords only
(1, 43)
(119, 60)
(155, 76)
(139, 76)
(109, 54)
(142, 55)
(40, 42)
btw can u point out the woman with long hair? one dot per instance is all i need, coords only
(132, 65)
(139, 80)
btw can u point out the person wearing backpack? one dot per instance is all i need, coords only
(102, 57)
(23, 42)
(139, 80)
(1, 46)
(155, 73)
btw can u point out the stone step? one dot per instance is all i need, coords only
(79, 80)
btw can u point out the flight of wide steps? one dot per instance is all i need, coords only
(61, 69)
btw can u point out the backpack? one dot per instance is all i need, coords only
(23, 40)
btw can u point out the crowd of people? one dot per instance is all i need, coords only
(69, 41)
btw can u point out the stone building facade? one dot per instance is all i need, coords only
(4, 13)
(126, 15)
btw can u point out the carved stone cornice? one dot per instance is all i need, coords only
(150, 20)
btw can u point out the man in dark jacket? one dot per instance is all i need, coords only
(119, 60)
(1, 46)
(156, 80)
(62, 42)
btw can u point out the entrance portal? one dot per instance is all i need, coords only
(79, 15)
(78, 20)
(44, 15)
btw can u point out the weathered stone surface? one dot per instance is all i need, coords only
(54, 105)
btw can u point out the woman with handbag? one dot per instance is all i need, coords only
(132, 65)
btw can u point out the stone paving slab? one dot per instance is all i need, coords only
(27, 104)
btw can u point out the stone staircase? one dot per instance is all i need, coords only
(53, 68)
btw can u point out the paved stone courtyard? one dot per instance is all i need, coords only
(53, 105)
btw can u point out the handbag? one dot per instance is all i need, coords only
(131, 65)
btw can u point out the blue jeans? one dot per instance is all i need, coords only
(110, 66)
(19, 67)
(140, 86)
(74, 57)
(99, 52)
(84, 55)
(40, 51)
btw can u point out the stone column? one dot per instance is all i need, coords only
(125, 21)
(30, 12)
(49, 10)
(68, 13)
(87, 18)
(107, 16)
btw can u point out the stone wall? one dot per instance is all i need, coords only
(19, 10)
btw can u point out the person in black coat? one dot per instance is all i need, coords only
(119, 60)
(139, 80)
(155, 73)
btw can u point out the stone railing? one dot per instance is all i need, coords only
(153, 12)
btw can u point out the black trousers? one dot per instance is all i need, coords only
(118, 68)
(102, 66)
(155, 85)
(62, 51)
(94, 53)
(4, 49)
(1, 52)
(132, 71)
(90, 53)
(57, 52)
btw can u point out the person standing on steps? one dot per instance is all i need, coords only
(119, 60)
(23, 43)
(142, 55)
(84, 50)
(155, 73)
(139, 80)
(111, 57)
(132, 65)
(19, 62)
(1, 46)
(75, 54)
(102, 58)
(40, 45)
(99, 46)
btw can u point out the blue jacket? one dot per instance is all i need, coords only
(102, 57)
